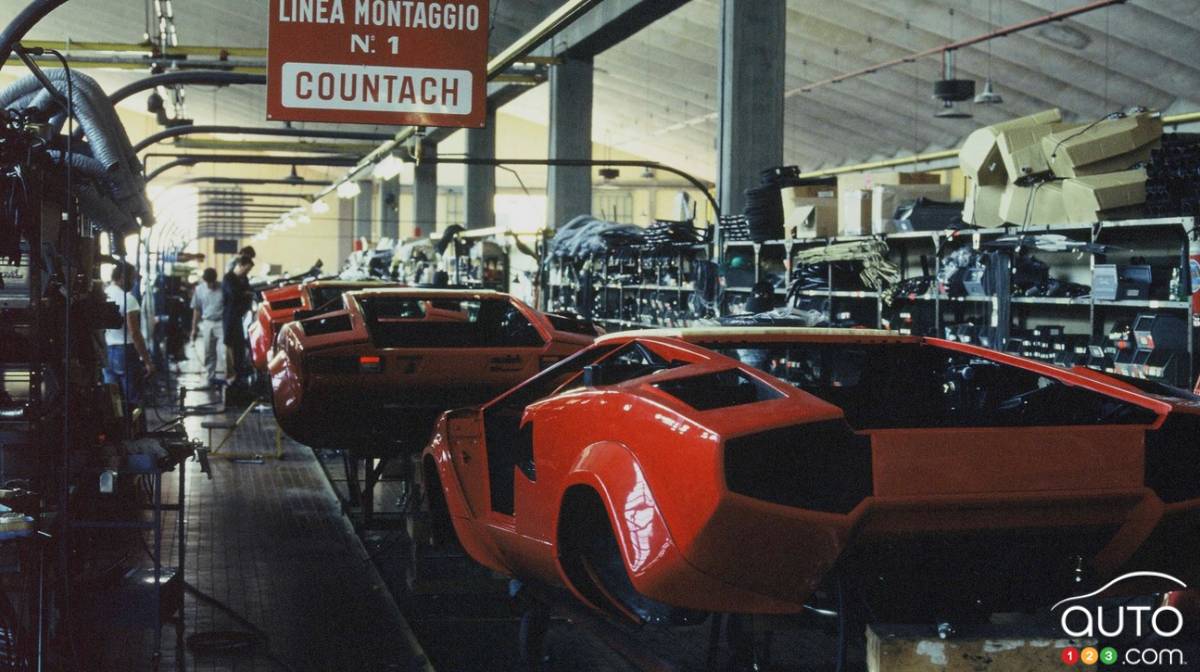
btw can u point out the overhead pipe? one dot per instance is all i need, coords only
(22, 22)
(250, 194)
(144, 48)
(585, 163)
(222, 200)
(178, 131)
(253, 159)
(254, 181)
(556, 22)
(175, 62)
(960, 44)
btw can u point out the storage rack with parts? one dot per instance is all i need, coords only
(627, 290)
(1163, 238)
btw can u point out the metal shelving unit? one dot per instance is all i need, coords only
(1032, 309)
(612, 289)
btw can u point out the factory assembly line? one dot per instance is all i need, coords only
(729, 350)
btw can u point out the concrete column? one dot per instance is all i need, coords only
(480, 193)
(364, 215)
(389, 209)
(569, 190)
(425, 192)
(750, 90)
(345, 229)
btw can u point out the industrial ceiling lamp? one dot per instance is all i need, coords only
(989, 96)
(608, 178)
(951, 91)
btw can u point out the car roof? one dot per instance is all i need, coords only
(347, 283)
(764, 335)
(431, 293)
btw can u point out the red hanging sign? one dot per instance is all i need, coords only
(384, 62)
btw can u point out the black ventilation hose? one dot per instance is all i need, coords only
(202, 77)
(448, 237)
(177, 131)
(28, 18)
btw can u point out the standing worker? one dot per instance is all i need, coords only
(129, 363)
(247, 251)
(208, 307)
(238, 299)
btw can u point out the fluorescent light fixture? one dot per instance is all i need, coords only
(388, 168)
(348, 190)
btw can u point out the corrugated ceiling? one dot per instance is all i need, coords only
(656, 93)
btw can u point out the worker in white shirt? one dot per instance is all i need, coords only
(129, 363)
(208, 306)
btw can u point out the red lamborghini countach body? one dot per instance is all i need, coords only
(280, 305)
(378, 372)
(747, 470)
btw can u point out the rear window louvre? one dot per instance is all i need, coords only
(320, 326)
(284, 304)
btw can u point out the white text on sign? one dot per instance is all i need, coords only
(384, 13)
(323, 86)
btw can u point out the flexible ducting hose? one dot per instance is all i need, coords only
(83, 164)
(104, 210)
(108, 141)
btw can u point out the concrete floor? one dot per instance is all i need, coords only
(270, 542)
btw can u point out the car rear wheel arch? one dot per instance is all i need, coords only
(594, 565)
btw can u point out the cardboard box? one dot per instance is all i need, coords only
(885, 199)
(811, 218)
(1069, 150)
(868, 181)
(1116, 164)
(981, 206)
(854, 212)
(1092, 198)
(1046, 208)
(809, 191)
(1021, 149)
(979, 157)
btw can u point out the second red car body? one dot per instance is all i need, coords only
(745, 470)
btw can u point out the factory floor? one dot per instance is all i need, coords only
(267, 548)
(273, 545)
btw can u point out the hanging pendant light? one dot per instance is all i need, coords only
(951, 91)
(988, 96)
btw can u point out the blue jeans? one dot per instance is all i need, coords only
(126, 371)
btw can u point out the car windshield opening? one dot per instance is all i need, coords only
(906, 385)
